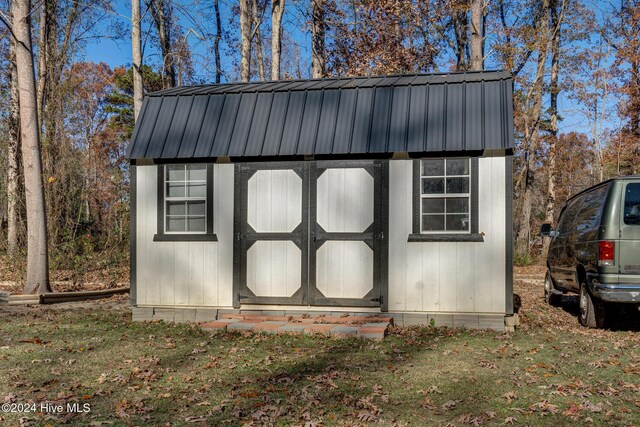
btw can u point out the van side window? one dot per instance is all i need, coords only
(589, 217)
(568, 216)
(632, 204)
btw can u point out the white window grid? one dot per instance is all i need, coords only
(184, 199)
(445, 196)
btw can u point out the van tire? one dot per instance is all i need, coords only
(592, 310)
(550, 297)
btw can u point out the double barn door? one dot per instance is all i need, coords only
(310, 233)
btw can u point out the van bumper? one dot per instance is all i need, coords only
(617, 292)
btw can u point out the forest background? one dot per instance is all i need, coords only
(575, 63)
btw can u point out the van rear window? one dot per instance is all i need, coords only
(632, 204)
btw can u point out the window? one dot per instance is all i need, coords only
(568, 216)
(185, 205)
(445, 200)
(632, 204)
(444, 192)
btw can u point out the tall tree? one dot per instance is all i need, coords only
(12, 156)
(554, 89)
(257, 13)
(277, 10)
(245, 40)
(318, 26)
(37, 279)
(532, 123)
(477, 35)
(217, 39)
(163, 18)
(136, 50)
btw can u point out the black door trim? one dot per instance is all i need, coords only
(311, 236)
(374, 236)
(245, 236)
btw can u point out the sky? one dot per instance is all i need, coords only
(116, 51)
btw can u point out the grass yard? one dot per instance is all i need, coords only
(550, 372)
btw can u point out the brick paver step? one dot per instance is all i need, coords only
(363, 326)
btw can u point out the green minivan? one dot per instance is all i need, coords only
(595, 249)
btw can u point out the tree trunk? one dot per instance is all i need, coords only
(460, 23)
(258, 37)
(553, 111)
(477, 35)
(136, 51)
(245, 35)
(37, 280)
(43, 41)
(162, 19)
(12, 157)
(317, 39)
(277, 10)
(532, 134)
(216, 43)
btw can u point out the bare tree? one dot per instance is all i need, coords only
(162, 17)
(245, 35)
(136, 50)
(477, 35)
(256, 18)
(37, 255)
(277, 10)
(216, 42)
(532, 122)
(12, 157)
(553, 119)
(318, 24)
(44, 34)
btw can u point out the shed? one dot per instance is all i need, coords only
(347, 195)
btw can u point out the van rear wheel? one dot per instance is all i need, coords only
(550, 297)
(592, 310)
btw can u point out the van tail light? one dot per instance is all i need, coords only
(606, 253)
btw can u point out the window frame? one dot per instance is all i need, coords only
(446, 236)
(162, 234)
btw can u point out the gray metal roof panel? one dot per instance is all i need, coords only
(379, 139)
(259, 124)
(291, 125)
(344, 122)
(436, 108)
(162, 127)
(309, 125)
(357, 115)
(206, 136)
(243, 121)
(275, 124)
(492, 113)
(473, 129)
(193, 127)
(219, 145)
(454, 118)
(328, 121)
(177, 127)
(362, 122)
(417, 118)
(399, 119)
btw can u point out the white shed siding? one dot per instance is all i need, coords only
(462, 277)
(192, 274)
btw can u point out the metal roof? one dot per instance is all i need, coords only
(338, 116)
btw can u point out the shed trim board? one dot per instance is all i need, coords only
(299, 170)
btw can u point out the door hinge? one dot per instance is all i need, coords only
(379, 235)
(242, 297)
(238, 237)
(376, 300)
